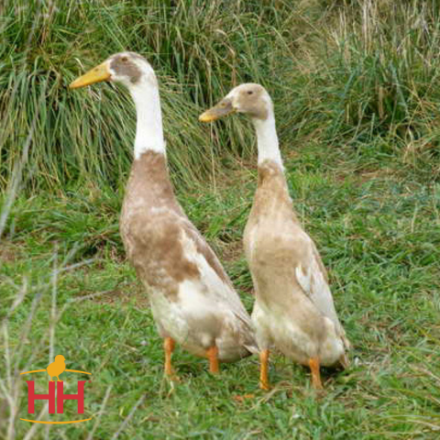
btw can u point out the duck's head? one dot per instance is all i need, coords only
(127, 68)
(251, 99)
(59, 358)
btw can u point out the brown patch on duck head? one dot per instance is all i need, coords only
(253, 100)
(124, 64)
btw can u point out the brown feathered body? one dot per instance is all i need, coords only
(294, 308)
(192, 299)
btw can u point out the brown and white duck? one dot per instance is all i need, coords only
(294, 309)
(192, 299)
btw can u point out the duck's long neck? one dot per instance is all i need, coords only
(149, 130)
(267, 140)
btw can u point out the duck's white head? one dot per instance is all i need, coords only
(59, 358)
(127, 68)
(134, 71)
(251, 99)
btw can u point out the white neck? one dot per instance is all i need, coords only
(149, 130)
(267, 140)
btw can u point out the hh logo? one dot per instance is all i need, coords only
(55, 395)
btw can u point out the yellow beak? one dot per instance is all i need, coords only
(223, 108)
(97, 74)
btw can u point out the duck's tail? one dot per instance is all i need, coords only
(346, 342)
(252, 347)
(344, 361)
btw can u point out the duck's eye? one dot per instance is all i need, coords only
(250, 92)
(124, 59)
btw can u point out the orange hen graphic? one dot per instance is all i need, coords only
(56, 368)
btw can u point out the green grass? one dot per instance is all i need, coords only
(356, 93)
(380, 239)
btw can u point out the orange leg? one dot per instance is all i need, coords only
(316, 375)
(264, 370)
(213, 360)
(168, 346)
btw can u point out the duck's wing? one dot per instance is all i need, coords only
(171, 256)
(219, 287)
(312, 277)
(215, 286)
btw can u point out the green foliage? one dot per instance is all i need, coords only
(379, 236)
(343, 73)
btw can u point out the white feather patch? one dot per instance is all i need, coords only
(312, 281)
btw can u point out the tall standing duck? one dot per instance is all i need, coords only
(294, 308)
(192, 299)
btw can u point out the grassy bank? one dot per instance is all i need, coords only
(358, 73)
(356, 94)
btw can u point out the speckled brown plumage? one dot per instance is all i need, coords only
(293, 310)
(151, 224)
(278, 250)
(192, 299)
(154, 229)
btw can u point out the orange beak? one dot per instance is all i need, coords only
(97, 74)
(223, 108)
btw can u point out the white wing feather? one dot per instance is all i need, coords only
(214, 287)
(313, 280)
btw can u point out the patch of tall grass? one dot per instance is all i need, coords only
(357, 73)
